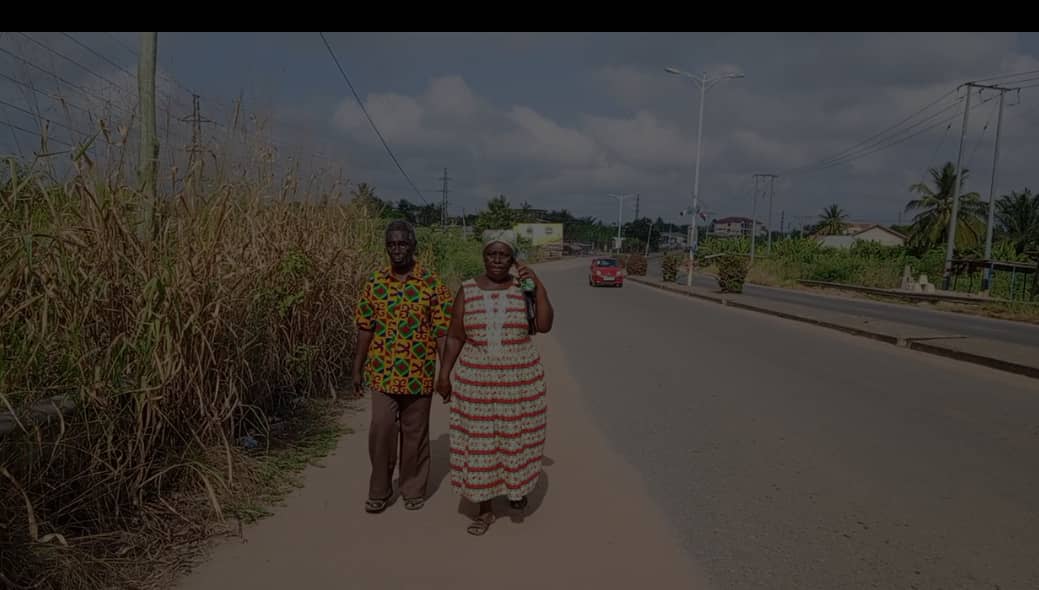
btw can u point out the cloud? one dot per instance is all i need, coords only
(560, 119)
(643, 140)
(532, 137)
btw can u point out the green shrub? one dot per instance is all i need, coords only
(670, 264)
(732, 272)
(636, 265)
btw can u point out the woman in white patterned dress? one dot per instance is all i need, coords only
(493, 373)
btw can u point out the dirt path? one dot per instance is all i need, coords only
(591, 523)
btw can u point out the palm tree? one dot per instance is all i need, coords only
(832, 221)
(934, 209)
(1018, 216)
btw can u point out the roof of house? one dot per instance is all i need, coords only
(854, 229)
(733, 220)
(880, 227)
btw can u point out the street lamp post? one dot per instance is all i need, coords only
(705, 83)
(620, 215)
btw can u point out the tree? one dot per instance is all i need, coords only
(934, 210)
(498, 215)
(832, 221)
(364, 196)
(526, 213)
(1018, 217)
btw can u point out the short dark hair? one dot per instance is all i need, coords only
(402, 226)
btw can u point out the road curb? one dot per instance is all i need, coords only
(977, 359)
(917, 345)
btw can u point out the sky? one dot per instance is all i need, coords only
(563, 120)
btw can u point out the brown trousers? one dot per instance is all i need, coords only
(405, 417)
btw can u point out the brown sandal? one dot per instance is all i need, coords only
(480, 524)
(375, 506)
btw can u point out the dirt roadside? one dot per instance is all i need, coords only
(590, 523)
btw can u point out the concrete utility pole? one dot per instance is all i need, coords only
(771, 193)
(148, 164)
(754, 221)
(950, 245)
(986, 280)
(443, 202)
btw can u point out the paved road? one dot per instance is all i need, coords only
(956, 323)
(790, 456)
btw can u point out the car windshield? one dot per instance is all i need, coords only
(606, 262)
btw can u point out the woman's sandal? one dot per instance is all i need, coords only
(414, 503)
(480, 524)
(375, 506)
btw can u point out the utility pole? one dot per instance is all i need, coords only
(951, 244)
(986, 280)
(148, 164)
(636, 207)
(754, 217)
(950, 247)
(620, 216)
(754, 221)
(443, 202)
(771, 193)
(196, 130)
(782, 223)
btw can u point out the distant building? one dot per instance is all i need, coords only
(540, 234)
(734, 227)
(862, 232)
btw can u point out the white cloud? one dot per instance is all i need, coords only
(643, 140)
(533, 137)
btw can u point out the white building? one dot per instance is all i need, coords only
(863, 233)
(735, 227)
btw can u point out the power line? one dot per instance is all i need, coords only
(369, 117)
(64, 81)
(36, 134)
(78, 64)
(867, 147)
(168, 77)
(1014, 75)
(100, 55)
(54, 97)
(889, 128)
(33, 115)
(981, 138)
(892, 142)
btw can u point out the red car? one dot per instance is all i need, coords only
(606, 271)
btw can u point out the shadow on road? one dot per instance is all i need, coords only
(440, 467)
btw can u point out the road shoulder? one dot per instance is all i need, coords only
(591, 523)
(1014, 358)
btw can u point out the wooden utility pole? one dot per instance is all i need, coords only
(148, 166)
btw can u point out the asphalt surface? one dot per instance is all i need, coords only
(954, 323)
(791, 456)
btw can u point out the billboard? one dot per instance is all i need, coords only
(540, 234)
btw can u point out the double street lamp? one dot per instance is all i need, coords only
(705, 83)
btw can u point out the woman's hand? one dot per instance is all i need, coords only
(525, 272)
(443, 387)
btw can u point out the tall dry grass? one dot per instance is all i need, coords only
(171, 352)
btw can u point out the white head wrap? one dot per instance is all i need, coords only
(504, 236)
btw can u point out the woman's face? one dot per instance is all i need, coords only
(497, 260)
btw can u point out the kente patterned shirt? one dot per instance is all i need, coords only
(405, 318)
